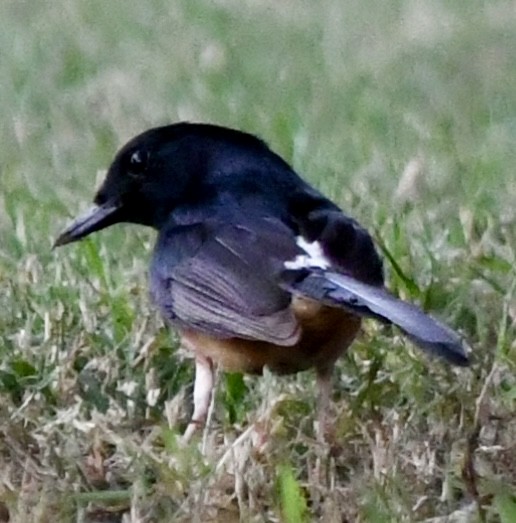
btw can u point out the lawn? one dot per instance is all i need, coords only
(403, 112)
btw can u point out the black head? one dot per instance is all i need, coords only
(163, 168)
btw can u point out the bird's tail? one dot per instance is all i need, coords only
(338, 290)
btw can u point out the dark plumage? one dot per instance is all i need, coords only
(252, 265)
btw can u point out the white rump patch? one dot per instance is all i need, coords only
(314, 256)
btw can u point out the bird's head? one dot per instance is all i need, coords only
(149, 176)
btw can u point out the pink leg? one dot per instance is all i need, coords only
(203, 388)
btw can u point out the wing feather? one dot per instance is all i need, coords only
(213, 277)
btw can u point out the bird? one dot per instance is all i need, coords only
(252, 266)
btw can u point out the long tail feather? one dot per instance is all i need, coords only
(375, 302)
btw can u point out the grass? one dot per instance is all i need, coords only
(405, 113)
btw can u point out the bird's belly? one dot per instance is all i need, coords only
(326, 333)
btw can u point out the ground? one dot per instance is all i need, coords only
(404, 113)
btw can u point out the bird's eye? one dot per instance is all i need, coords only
(138, 163)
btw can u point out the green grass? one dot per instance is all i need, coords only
(353, 94)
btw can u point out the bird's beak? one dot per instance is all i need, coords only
(95, 219)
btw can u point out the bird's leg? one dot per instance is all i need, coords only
(203, 389)
(324, 381)
(322, 463)
(211, 408)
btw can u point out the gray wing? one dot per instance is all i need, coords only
(220, 278)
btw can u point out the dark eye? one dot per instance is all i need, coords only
(138, 163)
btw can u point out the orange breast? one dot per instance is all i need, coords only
(326, 333)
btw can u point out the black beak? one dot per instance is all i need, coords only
(95, 219)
